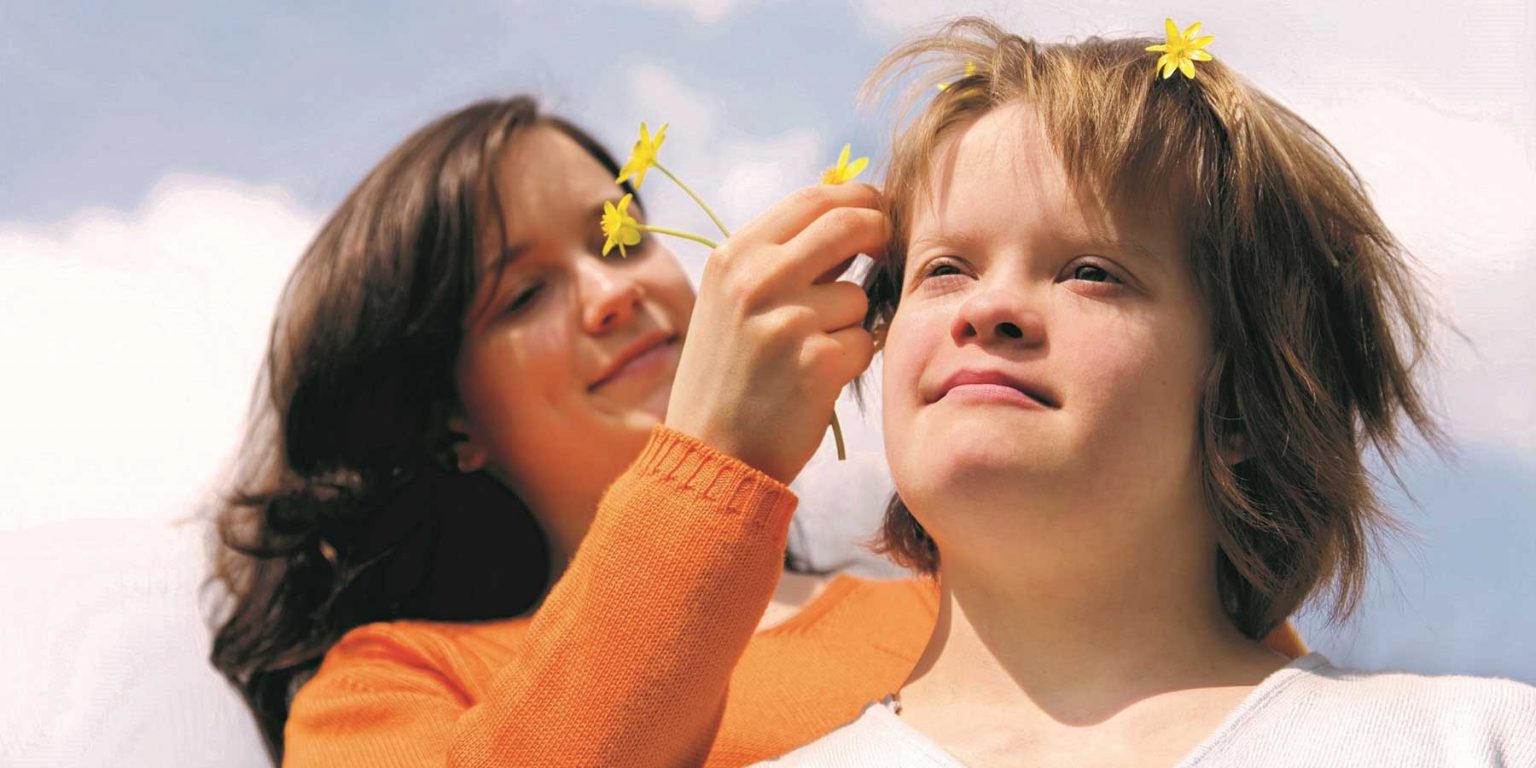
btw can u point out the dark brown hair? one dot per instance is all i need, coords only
(347, 507)
(1317, 321)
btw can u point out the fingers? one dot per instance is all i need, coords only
(836, 305)
(834, 238)
(790, 216)
(847, 353)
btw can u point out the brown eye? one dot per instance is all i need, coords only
(941, 268)
(1092, 274)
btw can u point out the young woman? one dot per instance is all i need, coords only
(456, 375)
(1137, 334)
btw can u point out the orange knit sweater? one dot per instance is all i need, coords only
(643, 653)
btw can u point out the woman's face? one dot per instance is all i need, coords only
(568, 357)
(1046, 354)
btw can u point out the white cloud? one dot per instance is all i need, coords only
(1457, 190)
(706, 11)
(659, 92)
(132, 345)
(739, 175)
(758, 172)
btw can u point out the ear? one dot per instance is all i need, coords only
(468, 452)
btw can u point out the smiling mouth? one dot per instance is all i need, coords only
(639, 360)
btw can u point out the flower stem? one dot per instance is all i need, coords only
(679, 233)
(837, 434)
(696, 199)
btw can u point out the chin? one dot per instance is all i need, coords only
(971, 460)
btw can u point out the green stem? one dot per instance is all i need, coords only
(678, 233)
(696, 199)
(837, 434)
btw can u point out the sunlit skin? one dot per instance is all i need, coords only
(536, 341)
(558, 317)
(1080, 617)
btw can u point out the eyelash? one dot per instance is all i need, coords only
(525, 298)
(1109, 276)
(932, 268)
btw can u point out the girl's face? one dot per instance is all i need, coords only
(568, 358)
(1046, 353)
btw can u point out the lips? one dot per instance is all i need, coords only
(996, 377)
(628, 355)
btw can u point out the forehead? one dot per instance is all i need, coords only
(1000, 176)
(545, 178)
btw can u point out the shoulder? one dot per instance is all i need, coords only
(1448, 699)
(901, 596)
(395, 651)
(1465, 719)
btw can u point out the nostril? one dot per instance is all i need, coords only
(1010, 330)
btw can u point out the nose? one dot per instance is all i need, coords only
(610, 295)
(998, 317)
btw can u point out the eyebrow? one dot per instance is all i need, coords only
(510, 254)
(1125, 245)
(948, 240)
(960, 241)
(506, 258)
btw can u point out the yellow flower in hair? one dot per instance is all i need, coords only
(620, 228)
(643, 156)
(1182, 50)
(844, 170)
(970, 69)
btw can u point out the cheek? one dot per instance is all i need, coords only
(513, 376)
(1140, 376)
(913, 337)
(667, 283)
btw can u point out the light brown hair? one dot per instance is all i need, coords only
(1317, 321)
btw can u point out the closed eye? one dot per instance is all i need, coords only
(525, 297)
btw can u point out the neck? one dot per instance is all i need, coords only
(564, 519)
(1082, 627)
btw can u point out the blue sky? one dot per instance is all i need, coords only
(161, 165)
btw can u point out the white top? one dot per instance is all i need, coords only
(1307, 714)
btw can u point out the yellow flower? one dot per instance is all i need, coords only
(1182, 50)
(970, 69)
(643, 156)
(844, 170)
(620, 228)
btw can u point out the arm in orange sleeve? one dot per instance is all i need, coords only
(626, 662)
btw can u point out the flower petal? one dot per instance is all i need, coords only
(1158, 48)
(855, 168)
(1163, 61)
(1202, 42)
(842, 157)
(1187, 67)
(1200, 56)
(1171, 28)
(1193, 30)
